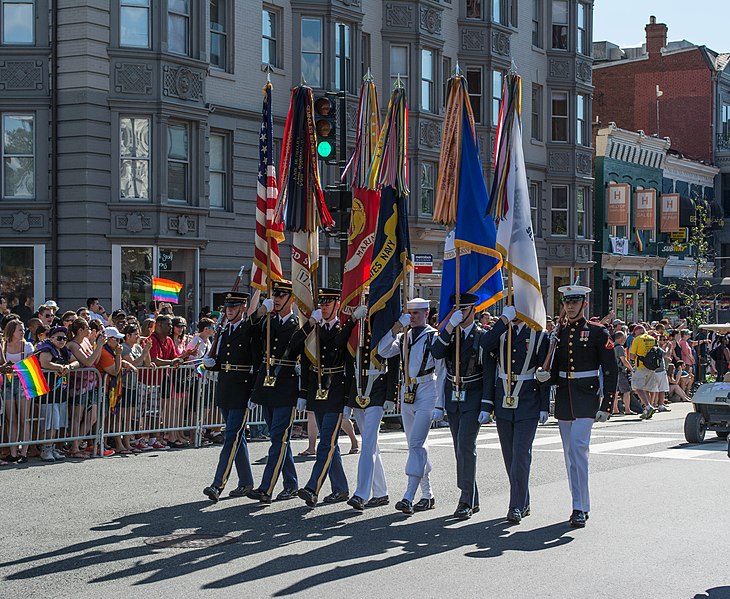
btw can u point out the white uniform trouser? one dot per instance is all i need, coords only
(370, 471)
(576, 436)
(416, 419)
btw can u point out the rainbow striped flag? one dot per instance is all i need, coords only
(639, 240)
(31, 377)
(164, 290)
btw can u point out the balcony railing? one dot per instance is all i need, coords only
(723, 142)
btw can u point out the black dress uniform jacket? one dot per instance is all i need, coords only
(287, 343)
(236, 349)
(583, 347)
(533, 396)
(471, 365)
(332, 349)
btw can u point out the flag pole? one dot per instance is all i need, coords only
(509, 339)
(457, 332)
(406, 370)
(321, 393)
(358, 353)
(268, 314)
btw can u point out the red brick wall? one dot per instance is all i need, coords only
(625, 93)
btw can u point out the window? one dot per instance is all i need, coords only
(427, 187)
(537, 23)
(339, 28)
(474, 86)
(178, 160)
(725, 125)
(134, 158)
(312, 51)
(18, 22)
(559, 111)
(18, 156)
(559, 217)
(446, 75)
(534, 191)
(134, 23)
(178, 26)
(219, 33)
(582, 43)
(218, 178)
(581, 132)
(364, 54)
(474, 9)
(536, 114)
(560, 24)
(269, 39)
(580, 209)
(398, 64)
(427, 101)
(496, 95)
(500, 12)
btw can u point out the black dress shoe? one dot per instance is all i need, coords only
(212, 493)
(357, 503)
(287, 494)
(241, 491)
(378, 501)
(526, 512)
(404, 506)
(578, 519)
(259, 495)
(336, 497)
(475, 509)
(309, 497)
(424, 504)
(514, 515)
(463, 511)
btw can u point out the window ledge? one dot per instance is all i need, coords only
(274, 70)
(221, 74)
(537, 142)
(538, 49)
(221, 214)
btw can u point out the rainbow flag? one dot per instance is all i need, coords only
(31, 377)
(164, 290)
(639, 240)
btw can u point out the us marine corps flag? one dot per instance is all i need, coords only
(392, 249)
(365, 202)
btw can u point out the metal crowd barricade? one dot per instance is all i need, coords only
(69, 412)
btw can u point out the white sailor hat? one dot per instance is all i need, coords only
(418, 303)
(574, 291)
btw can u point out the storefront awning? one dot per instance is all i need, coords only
(634, 263)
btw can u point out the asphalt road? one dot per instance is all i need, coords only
(659, 527)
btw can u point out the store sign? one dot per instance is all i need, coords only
(628, 280)
(618, 204)
(723, 304)
(680, 235)
(669, 221)
(646, 209)
(165, 261)
(423, 264)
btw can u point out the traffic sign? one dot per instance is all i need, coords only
(423, 264)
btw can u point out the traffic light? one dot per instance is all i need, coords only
(325, 123)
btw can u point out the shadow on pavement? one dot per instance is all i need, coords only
(348, 544)
(714, 593)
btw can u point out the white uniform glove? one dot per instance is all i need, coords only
(268, 304)
(405, 320)
(208, 362)
(437, 415)
(360, 312)
(347, 412)
(543, 417)
(542, 376)
(484, 417)
(456, 318)
(601, 416)
(317, 316)
(509, 313)
(251, 405)
(389, 406)
(301, 404)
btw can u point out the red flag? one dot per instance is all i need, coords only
(267, 231)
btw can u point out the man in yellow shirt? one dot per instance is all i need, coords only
(643, 380)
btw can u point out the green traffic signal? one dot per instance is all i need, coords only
(324, 149)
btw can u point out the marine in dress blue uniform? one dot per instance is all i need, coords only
(518, 406)
(583, 350)
(326, 397)
(277, 388)
(236, 366)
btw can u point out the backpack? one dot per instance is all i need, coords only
(654, 359)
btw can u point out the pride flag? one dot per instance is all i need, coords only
(31, 377)
(164, 290)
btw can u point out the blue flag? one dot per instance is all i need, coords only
(392, 244)
(474, 234)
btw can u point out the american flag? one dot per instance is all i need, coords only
(266, 197)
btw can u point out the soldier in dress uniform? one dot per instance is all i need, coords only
(368, 404)
(466, 405)
(326, 397)
(419, 394)
(583, 350)
(236, 367)
(518, 407)
(277, 388)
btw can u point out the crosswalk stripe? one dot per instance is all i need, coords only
(625, 444)
(707, 453)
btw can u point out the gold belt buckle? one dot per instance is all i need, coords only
(571, 375)
(362, 401)
(509, 402)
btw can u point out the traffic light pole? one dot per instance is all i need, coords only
(342, 162)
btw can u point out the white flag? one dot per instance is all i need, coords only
(304, 259)
(516, 240)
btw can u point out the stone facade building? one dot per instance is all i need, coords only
(130, 129)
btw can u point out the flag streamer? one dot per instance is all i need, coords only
(389, 166)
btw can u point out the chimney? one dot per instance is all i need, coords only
(656, 37)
